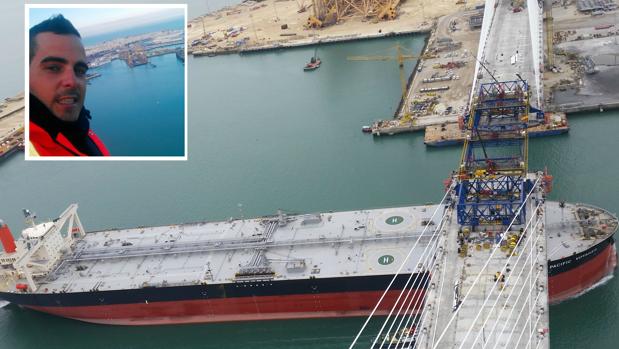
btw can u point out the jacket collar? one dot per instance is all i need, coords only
(76, 132)
(43, 117)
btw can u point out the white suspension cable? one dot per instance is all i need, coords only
(518, 299)
(539, 316)
(529, 321)
(413, 316)
(400, 295)
(511, 293)
(485, 266)
(521, 243)
(529, 277)
(512, 310)
(398, 272)
(521, 313)
(538, 343)
(407, 314)
(424, 314)
(440, 294)
(425, 258)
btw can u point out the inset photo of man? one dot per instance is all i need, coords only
(106, 82)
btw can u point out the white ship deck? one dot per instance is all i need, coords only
(569, 232)
(320, 245)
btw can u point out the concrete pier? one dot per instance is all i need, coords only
(11, 125)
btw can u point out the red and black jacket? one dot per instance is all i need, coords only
(51, 136)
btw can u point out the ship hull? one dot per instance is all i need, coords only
(286, 299)
(224, 310)
(574, 275)
(256, 300)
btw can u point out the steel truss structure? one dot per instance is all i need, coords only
(346, 8)
(492, 181)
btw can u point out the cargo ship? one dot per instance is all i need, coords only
(334, 264)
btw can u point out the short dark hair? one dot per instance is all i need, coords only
(56, 24)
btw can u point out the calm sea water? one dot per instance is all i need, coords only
(140, 111)
(265, 135)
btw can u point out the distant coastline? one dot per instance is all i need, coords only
(137, 45)
(142, 29)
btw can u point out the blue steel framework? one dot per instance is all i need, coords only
(492, 181)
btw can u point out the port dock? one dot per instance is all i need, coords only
(271, 24)
(11, 125)
(439, 92)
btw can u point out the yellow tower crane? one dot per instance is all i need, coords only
(400, 58)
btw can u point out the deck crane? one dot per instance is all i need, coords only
(400, 58)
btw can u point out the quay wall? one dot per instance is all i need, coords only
(310, 42)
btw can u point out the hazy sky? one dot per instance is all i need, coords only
(94, 21)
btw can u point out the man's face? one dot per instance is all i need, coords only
(58, 74)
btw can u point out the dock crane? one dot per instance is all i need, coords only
(400, 58)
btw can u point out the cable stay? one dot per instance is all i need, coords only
(398, 272)
(483, 274)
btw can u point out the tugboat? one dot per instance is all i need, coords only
(313, 64)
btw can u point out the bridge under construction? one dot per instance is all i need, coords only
(488, 259)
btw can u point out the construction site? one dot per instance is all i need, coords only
(270, 24)
(583, 72)
(579, 69)
(11, 125)
(435, 97)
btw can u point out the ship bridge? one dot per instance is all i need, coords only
(489, 274)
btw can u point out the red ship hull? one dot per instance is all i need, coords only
(582, 276)
(233, 309)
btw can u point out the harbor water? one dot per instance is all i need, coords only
(139, 111)
(264, 135)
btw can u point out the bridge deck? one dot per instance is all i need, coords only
(482, 295)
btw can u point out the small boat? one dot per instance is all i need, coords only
(366, 129)
(313, 64)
